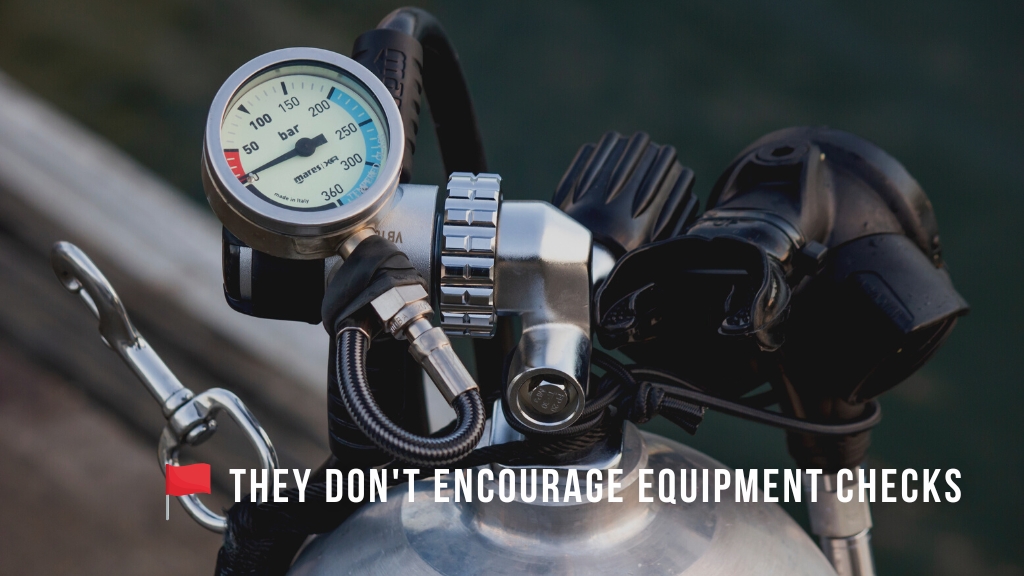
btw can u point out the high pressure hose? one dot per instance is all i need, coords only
(353, 344)
(376, 288)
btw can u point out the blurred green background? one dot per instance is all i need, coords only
(940, 85)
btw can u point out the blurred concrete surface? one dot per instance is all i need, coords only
(81, 490)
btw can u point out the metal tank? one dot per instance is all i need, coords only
(425, 537)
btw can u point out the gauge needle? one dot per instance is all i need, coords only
(303, 147)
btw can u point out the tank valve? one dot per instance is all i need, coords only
(543, 276)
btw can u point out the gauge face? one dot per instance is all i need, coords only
(305, 136)
(302, 147)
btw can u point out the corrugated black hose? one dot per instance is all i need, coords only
(405, 446)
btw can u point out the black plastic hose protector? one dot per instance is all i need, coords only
(451, 106)
(401, 444)
(373, 268)
(279, 288)
(397, 59)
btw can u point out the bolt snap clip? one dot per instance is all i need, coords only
(190, 418)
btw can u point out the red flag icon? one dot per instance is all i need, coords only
(185, 480)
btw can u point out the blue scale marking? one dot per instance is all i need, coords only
(371, 137)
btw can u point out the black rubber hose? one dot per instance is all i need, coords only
(458, 133)
(671, 384)
(401, 444)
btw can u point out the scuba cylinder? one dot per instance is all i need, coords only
(816, 268)
(426, 537)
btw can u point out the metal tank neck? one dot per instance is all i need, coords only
(429, 538)
(561, 521)
(603, 455)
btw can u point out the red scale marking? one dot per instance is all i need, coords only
(235, 163)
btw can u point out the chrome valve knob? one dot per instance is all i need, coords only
(468, 250)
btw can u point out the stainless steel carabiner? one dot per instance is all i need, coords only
(190, 418)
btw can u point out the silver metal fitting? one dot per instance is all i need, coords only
(435, 354)
(468, 250)
(405, 312)
(843, 528)
(850, 556)
(548, 376)
(401, 306)
(543, 275)
(349, 245)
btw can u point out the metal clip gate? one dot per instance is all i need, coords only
(190, 418)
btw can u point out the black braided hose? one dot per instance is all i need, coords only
(405, 446)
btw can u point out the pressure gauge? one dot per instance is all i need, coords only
(302, 148)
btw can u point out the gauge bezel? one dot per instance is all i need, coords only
(275, 229)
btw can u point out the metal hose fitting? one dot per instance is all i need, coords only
(405, 312)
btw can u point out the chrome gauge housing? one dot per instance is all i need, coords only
(302, 147)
